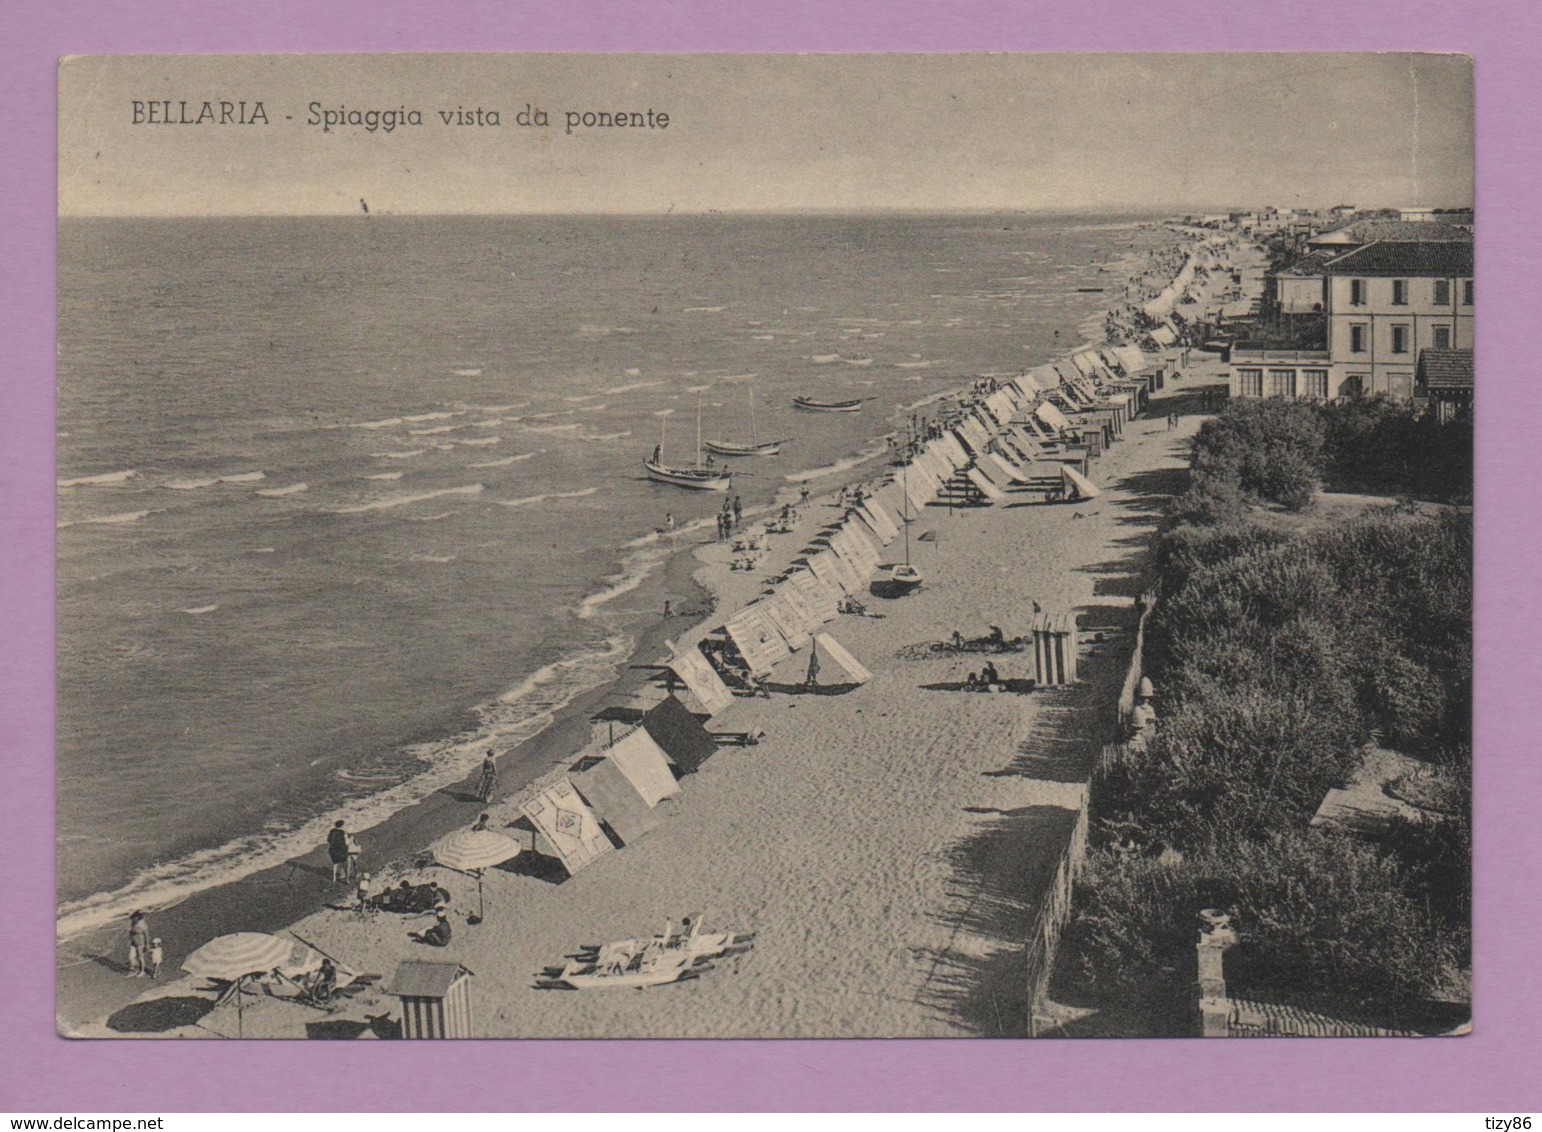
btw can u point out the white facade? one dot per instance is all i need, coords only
(1377, 325)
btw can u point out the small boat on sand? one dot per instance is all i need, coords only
(814, 406)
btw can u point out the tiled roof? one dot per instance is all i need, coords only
(1445, 369)
(1367, 231)
(1436, 259)
(1312, 265)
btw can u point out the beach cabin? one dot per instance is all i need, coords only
(435, 997)
(1054, 648)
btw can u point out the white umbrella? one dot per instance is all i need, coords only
(472, 850)
(238, 957)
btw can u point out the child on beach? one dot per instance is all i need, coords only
(157, 957)
(365, 891)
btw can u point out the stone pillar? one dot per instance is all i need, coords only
(1215, 936)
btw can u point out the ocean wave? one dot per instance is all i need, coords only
(244, 477)
(385, 476)
(441, 415)
(529, 499)
(201, 609)
(467, 372)
(101, 480)
(581, 397)
(591, 330)
(388, 422)
(435, 431)
(292, 489)
(480, 442)
(434, 518)
(498, 408)
(503, 463)
(824, 359)
(490, 422)
(594, 408)
(404, 500)
(121, 517)
(549, 429)
(191, 485)
(632, 386)
(607, 435)
(513, 717)
(400, 455)
(839, 466)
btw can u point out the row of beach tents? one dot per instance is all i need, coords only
(1001, 441)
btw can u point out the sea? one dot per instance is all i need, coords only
(343, 500)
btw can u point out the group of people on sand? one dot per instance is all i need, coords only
(145, 952)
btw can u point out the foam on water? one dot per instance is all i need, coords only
(121, 517)
(103, 480)
(385, 476)
(839, 466)
(528, 500)
(503, 463)
(292, 489)
(404, 500)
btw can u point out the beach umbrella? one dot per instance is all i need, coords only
(237, 958)
(472, 850)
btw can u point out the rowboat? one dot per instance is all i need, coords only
(753, 448)
(698, 477)
(827, 406)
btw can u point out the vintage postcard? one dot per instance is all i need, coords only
(764, 546)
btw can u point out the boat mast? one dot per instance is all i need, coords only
(698, 430)
(754, 437)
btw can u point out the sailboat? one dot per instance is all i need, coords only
(700, 477)
(903, 577)
(753, 448)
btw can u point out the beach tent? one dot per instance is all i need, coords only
(1086, 361)
(807, 613)
(645, 765)
(919, 490)
(1051, 416)
(786, 619)
(616, 801)
(879, 519)
(758, 640)
(891, 498)
(702, 679)
(988, 489)
(822, 565)
(1164, 336)
(1131, 358)
(1000, 406)
(680, 734)
(833, 653)
(1011, 471)
(568, 824)
(435, 997)
(988, 468)
(815, 593)
(953, 450)
(1079, 484)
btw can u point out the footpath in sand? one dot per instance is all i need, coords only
(888, 846)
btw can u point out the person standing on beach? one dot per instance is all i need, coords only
(803, 494)
(337, 850)
(738, 512)
(139, 946)
(669, 521)
(489, 781)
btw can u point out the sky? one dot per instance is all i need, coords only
(767, 133)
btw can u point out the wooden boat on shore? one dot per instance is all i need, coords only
(813, 406)
(753, 448)
(697, 477)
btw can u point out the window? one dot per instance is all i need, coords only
(1357, 338)
(1250, 383)
(1400, 292)
(1353, 385)
(1442, 292)
(1442, 337)
(1314, 383)
(1357, 292)
(1400, 339)
(1400, 386)
(1282, 383)
(1466, 292)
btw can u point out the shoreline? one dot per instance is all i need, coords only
(276, 897)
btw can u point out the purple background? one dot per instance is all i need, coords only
(1494, 1070)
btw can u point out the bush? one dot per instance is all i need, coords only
(1318, 912)
(1270, 449)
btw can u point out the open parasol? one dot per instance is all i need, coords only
(237, 958)
(472, 850)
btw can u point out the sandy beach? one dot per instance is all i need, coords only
(888, 847)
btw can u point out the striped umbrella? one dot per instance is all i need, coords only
(472, 850)
(243, 953)
(239, 957)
